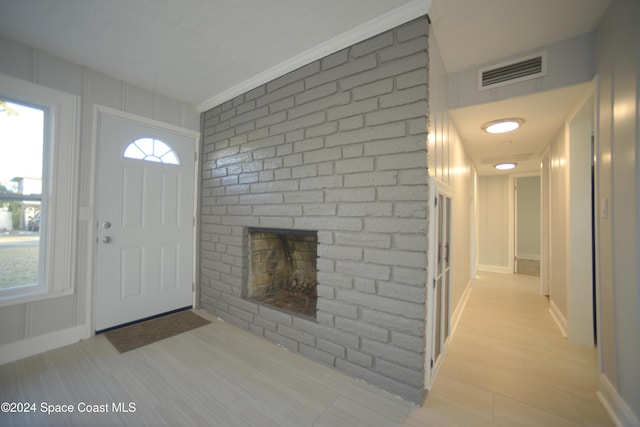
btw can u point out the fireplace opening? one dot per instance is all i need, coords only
(282, 269)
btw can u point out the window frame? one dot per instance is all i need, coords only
(60, 183)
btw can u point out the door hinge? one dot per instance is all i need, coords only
(431, 363)
(193, 286)
(434, 283)
(436, 200)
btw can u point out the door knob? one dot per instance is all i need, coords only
(106, 239)
(106, 224)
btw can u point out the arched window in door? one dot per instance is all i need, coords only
(151, 150)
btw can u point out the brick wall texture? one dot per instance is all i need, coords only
(337, 146)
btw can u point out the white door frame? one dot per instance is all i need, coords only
(580, 131)
(514, 237)
(545, 216)
(90, 214)
(436, 188)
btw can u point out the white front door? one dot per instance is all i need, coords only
(145, 221)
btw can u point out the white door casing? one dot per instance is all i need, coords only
(438, 313)
(545, 248)
(145, 222)
(526, 219)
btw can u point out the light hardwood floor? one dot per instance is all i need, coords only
(507, 365)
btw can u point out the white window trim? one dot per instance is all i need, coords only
(134, 143)
(60, 193)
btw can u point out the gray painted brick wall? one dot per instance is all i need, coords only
(338, 146)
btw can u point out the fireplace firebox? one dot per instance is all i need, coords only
(282, 269)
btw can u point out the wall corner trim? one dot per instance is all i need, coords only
(559, 318)
(39, 344)
(457, 312)
(621, 414)
(385, 22)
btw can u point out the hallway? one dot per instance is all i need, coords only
(508, 365)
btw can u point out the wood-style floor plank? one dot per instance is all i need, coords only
(507, 365)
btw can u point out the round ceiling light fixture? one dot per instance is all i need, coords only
(502, 125)
(505, 166)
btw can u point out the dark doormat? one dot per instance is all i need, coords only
(147, 332)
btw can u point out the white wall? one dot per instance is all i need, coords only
(618, 234)
(528, 217)
(579, 222)
(558, 227)
(461, 173)
(570, 236)
(449, 162)
(38, 326)
(572, 61)
(494, 223)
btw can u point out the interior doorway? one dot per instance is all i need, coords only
(581, 295)
(527, 225)
(545, 248)
(568, 275)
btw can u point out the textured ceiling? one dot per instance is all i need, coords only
(474, 32)
(191, 50)
(206, 51)
(544, 115)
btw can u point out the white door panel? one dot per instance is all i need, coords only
(438, 278)
(145, 224)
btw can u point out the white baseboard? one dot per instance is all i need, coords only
(32, 346)
(559, 318)
(530, 257)
(455, 318)
(621, 414)
(494, 268)
(457, 313)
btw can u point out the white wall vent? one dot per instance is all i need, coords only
(527, 68)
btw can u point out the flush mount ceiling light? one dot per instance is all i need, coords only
(505, 166)
(502, 125)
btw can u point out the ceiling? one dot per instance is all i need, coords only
(192, 50)
(544, 115)
(206, 51)
(471, 33)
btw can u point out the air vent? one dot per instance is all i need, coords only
(527, 68)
